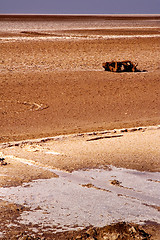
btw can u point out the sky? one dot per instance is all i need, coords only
(80, 6)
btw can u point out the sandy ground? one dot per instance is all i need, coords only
(66, 79)
(52, 83)
(29, 160)
(135, 149)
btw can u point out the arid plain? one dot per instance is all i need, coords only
(54, 92)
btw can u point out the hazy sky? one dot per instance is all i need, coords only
(81, 6)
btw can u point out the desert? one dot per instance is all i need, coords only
(73, 135)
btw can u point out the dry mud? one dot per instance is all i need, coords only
(52, 84)
(58, 204)
(52, 81)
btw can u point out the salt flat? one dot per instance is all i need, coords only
(52, 85)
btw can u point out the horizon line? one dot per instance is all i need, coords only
(86, 14)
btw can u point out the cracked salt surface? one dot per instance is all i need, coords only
(84, 198)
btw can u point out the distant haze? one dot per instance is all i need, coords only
(80, 6)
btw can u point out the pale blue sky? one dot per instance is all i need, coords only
(81, 6)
